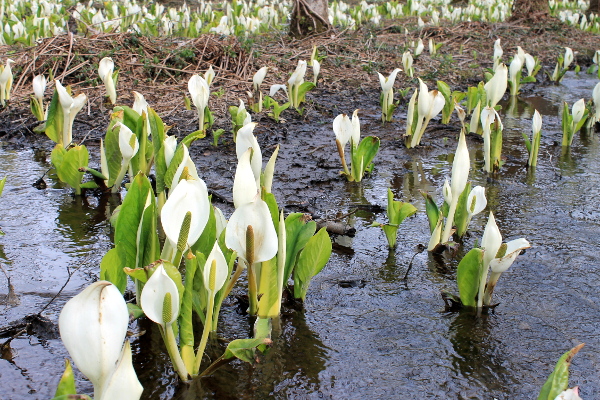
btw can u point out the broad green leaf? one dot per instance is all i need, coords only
(135, 311)
(298, 232)
(111, 269)
(244, 349)
(311, 261)
(57, 156)
(73, 397)
(391, 232)
(268, 290)
(139, 274)
(157, 129)
(2, 182)
(112, 152)
(54, 122)
(468, 277)
(129, 218)
(131, 118)
(207, 239)
(68, 171)
(66, 385)
(269, 198)
(148, 246)
(192, 137)
(366, 151)
(432, 211)
(558, 381)
(462, 214)
(303, 89)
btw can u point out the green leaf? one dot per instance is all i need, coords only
(363, 156)
(462, 213)
(139, 274)
(311, 261)
(129, 219)
(271, 201)
(112, 152)
(134, 310)
(73, 397)
(2, 182)
(111, 269)
(303, 89)
(398, 211)
(68, 168)
(207, 239)
(528, 79)
(298, 231)
(66, 385)
(243, 349)
(468, 277)
(558, 381)
(58, 155)
(54, 122)
(432, 211)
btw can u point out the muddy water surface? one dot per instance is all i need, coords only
(365, 332)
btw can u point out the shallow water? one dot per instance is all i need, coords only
(364, 333)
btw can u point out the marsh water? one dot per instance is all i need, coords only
(364, 332)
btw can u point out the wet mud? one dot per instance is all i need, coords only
(370, 328)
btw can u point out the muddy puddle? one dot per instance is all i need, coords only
(365, 332)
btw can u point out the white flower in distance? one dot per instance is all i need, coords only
(140, 105)
(529, 63)
(6, 80)
(496, 87)
(199, 92)
(39, 87)
(258, 77)
(297, 77)
(596, 98)
(568, 59)
(578, 110)
(160, 298)
(105, 70)
(92, 326)
(476, 201)
(191, 196)
(209, 75)
(70, 107)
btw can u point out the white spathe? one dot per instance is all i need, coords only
(246, 140)
(190, 195)
(221, 271)
(105, 70)
(245, 188)
(124, 383)
(496, 87)
(128, 143)
(92, 326)
(153, 297)
(257, 215)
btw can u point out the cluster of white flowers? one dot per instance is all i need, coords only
(26, 21)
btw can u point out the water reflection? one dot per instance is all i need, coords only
(290, 368)
(97, 211)
(478, 355)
